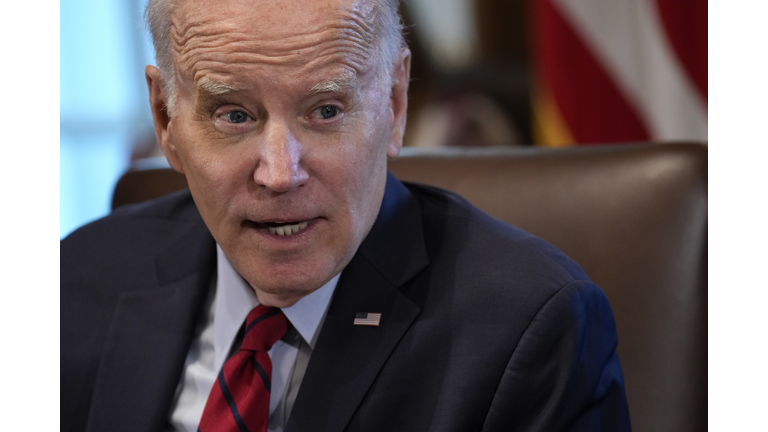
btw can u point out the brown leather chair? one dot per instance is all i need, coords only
(634, 217)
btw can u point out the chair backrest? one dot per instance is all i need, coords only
(634, 217)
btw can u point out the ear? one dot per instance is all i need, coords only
(163, 127)
(398, 101)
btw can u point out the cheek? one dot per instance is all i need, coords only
(364, 173)
(213, 173)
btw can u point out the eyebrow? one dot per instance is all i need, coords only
(214, 87)
(336, 84)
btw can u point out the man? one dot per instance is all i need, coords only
(400, 308)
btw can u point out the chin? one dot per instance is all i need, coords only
(286, 290)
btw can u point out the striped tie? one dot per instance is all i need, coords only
(239, 400)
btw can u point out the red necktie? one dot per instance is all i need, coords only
(239, 400)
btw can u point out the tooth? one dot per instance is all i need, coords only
(286, 230)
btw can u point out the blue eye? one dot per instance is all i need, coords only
(328, 111)
(236, 117)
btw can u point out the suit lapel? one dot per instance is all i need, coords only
(149, 338)
(347, 358)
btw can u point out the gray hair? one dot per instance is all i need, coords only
(388, 26)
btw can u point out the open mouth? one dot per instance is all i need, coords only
(285, 229)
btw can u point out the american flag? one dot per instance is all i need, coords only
(367, 319)
(609, 71)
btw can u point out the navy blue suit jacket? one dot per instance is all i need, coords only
(484, 326)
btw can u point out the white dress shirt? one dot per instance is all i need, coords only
(214, 343)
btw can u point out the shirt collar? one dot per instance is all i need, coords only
(235, 299)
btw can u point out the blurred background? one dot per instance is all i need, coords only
(485, 73)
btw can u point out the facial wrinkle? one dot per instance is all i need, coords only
(359, 25)
(216, 45)
(238, 49)
(328, 53)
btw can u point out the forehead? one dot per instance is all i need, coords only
(221, 40)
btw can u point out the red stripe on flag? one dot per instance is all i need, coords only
(590, 102)
(685, 23)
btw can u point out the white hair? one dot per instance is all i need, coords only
(387, 22)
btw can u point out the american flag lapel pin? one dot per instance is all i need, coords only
(367, 319)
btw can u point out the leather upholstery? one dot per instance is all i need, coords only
(634, 217)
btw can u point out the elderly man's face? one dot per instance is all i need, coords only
(282, 129)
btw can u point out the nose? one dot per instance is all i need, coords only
(279, 168)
